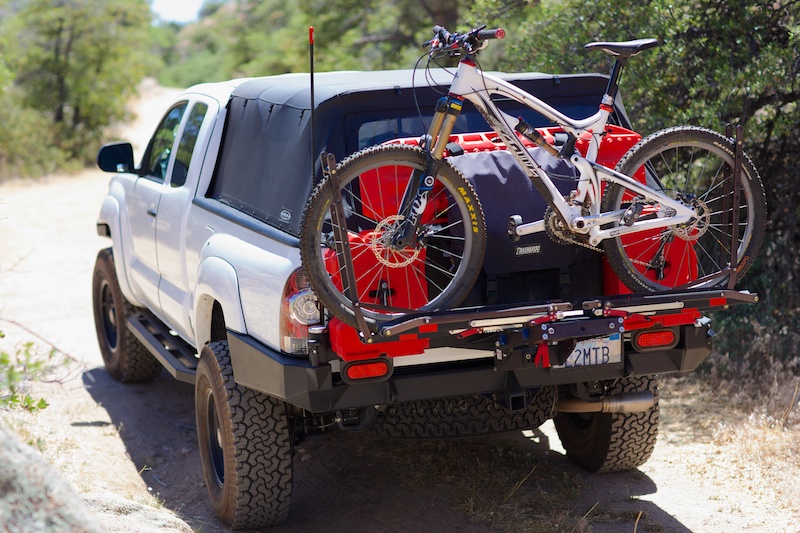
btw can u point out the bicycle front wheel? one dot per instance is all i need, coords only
(694, 166)
(433, 272)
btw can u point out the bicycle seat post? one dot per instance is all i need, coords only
(613, 80)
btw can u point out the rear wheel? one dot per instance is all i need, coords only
(612, 442)
(125, 358)
(694, 166)
(245, 445)
(435, 271)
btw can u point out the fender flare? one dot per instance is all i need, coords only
(216, 282)
(110, 216)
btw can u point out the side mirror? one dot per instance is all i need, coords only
(116, 157)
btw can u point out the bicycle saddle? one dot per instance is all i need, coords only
(625, 48)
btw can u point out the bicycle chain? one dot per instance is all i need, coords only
(564, 236)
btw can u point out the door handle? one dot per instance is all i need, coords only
(152, 212)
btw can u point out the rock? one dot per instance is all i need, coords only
(34, 496)
(118, 515)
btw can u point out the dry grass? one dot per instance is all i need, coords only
(739, 443)
(751, 423)
(493, 479)
(507, 483)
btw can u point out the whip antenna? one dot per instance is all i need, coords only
(313, 106)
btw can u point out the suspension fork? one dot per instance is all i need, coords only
(415, 197)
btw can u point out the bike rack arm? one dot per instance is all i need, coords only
(737, 176)
(343, 253)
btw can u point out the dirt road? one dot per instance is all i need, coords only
(138, 442)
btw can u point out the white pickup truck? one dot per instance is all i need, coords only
(204, 278)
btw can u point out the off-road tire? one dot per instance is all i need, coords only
(462, 416)
(245, 445)
(125, 358)
(607, 442)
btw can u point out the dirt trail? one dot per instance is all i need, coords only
(138, 442)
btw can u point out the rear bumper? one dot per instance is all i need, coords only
(319, 389)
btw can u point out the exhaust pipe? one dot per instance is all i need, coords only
(628, 402)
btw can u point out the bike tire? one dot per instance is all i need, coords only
(435, 274)
(695, 165)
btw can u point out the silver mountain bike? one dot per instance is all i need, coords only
(396, 229)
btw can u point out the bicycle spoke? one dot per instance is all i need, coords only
(446, 252)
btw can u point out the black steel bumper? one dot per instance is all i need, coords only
(319, 389)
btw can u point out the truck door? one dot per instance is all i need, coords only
(174, 210)
(143, 206)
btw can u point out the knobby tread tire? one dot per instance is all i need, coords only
(317, 208)
(462, 416)
(128, 361)
(614, 251)
(255, 437)
(612, 442)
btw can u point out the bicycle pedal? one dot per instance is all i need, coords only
(514, 221)
(632, 214)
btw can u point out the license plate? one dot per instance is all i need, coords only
(595, 351)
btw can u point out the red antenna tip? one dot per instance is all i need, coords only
(311, 35)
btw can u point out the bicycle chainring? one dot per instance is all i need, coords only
(558, 231)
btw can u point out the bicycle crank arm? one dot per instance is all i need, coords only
(517, 229)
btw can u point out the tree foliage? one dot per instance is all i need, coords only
(75, 64)
(257, 38)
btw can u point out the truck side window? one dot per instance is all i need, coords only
(186, 145)
(156, 158)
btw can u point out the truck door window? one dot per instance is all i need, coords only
(156, 158)
(186, 145)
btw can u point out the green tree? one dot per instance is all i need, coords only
(249, 38)
(78, 62)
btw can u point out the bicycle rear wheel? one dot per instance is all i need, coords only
(695, 166)
(433, 273)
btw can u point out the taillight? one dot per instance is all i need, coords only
(365, 371)
(655, 340)
(299, 310)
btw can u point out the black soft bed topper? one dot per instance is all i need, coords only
(264, 165)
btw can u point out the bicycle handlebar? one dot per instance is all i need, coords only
(454, 42)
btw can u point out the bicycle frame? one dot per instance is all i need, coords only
(472, 84)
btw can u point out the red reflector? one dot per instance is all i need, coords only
(656, 338)
(718, 301)
(367, 370)
(500, 33)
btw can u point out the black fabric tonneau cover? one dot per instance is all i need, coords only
(264, 167)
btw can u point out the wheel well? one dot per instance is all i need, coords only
(218, 331)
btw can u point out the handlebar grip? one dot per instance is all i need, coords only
(441, 31)
(498, 33)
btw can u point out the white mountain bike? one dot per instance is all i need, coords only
(396, 229)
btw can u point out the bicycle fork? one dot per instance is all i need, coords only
(415, 197)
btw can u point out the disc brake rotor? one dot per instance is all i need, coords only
(697, 228)
(379, 241)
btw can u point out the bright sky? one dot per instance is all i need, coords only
(177, 10)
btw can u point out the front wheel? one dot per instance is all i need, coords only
(694, 166)
(435, 270)
(125, 358)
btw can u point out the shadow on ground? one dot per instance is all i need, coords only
(360, 482)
